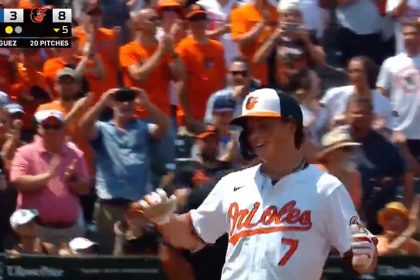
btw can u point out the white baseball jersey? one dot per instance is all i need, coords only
(277, 232)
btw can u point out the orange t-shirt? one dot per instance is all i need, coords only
(205, 69)
(243, 19)
(106, 43)
(26, 79)
(76, 136)
(157, 83)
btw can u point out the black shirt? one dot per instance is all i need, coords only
(377, 159)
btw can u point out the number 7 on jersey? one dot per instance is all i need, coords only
(293, 244)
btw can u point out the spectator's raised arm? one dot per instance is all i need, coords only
(161, 120)
(264, 51)
(87, 123)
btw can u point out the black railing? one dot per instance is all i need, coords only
(148, 268)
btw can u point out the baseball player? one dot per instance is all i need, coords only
(282, 216)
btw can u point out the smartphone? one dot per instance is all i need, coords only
(124, 95)
(290, 27)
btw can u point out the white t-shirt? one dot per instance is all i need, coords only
(276, 232)
(400, 75)
(219, 15)
(412, 13)
(336, 99)
(362, 17)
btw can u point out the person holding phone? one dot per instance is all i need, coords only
(290, 34)
(121, 147)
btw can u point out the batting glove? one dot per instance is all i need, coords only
(158, 207)
(363, 247)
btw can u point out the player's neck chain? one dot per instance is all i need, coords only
(302, 165)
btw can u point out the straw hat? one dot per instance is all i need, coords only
(287, 5)
(392, 208)
(335, 139)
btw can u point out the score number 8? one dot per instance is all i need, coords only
(62, 15)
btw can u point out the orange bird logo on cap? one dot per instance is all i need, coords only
(250, 103)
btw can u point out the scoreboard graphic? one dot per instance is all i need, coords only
(35, 28)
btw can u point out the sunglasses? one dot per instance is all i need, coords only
(198, 18)
(153, 19)
(52, 126)
(242, 73)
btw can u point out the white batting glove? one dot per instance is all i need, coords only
(158, 207)
(363, 247)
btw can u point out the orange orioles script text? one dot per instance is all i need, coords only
(287, 218)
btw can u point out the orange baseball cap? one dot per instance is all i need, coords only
(210, 131)
(196, 10)
(170, 5)
(49, 110)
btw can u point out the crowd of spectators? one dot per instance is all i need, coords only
(144, 98)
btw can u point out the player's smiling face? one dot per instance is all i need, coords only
(268, 136)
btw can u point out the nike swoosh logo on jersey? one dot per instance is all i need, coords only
(237, 188)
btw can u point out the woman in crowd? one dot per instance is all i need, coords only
(399, 226)
(362, 75)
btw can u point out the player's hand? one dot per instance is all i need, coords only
(363, 247)
(158, 207)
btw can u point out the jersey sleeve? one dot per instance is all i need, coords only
(341, 213)
(209, 220)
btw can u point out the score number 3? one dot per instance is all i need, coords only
(293, 245)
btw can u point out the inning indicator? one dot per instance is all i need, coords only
(34, 24)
